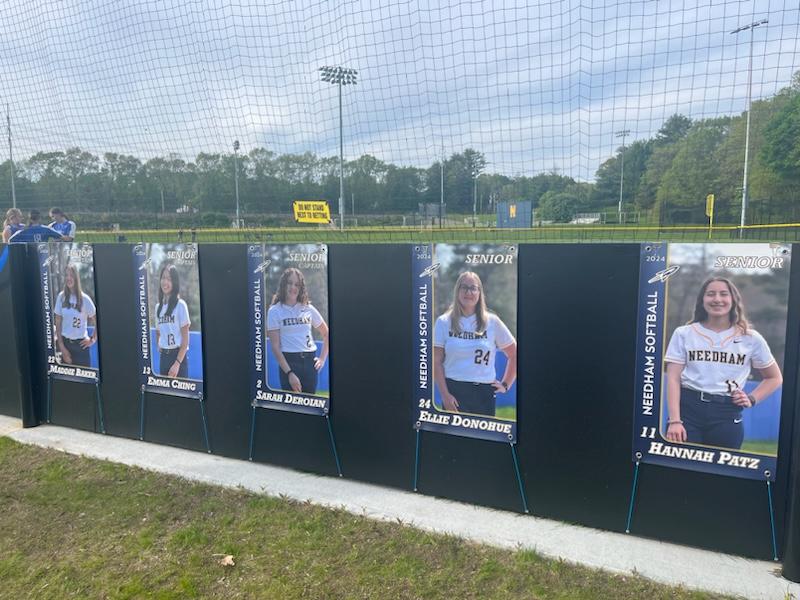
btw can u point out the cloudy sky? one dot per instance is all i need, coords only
(535, 85)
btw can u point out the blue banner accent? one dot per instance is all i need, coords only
(264, 371)
(649, 419)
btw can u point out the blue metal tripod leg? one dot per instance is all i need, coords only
(519, 479)
(333, 446)
(772, 523)
(205, 424)
(49, 399)
(141, 414)
(100, 408)
(633, 497)
(416, 463)
(252, 433)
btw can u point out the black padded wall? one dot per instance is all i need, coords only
(576, 334)
(14, 376)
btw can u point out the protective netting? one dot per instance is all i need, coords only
(534, 86)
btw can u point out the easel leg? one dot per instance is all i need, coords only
(519, 479)
(141, 414)
(100, 408)
(333, 446)
(772, 523)
(252, 433)
(205, 424)
(416, 463)
(633, 493)
(49, 400)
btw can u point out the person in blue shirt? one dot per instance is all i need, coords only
(35, 232)
(62, 224)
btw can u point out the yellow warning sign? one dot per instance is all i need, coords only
(311, 211)
(512, 211)
(710, 205)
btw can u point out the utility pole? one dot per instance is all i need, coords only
(622, 134)
(751, 27)
(11, 159)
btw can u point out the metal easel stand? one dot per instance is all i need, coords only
(633, 492)
(100, 407)
(517, 471)
(141, 413)
(333, 443)
(330, 436)
(49, 405)
(201, 399)
(771, 518)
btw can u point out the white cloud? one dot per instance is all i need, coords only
(535, 86)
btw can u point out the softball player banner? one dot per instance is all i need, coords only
(168, 312)
(710, 348)
(465, 351)
(66, 272)
(288, 293)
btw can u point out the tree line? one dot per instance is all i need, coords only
(666, 177)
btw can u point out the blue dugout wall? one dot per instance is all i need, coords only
(574, 405)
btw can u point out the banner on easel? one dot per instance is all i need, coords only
(168, 313)
(710, 349)
(288, 293)
(465, 350)
(66, 275)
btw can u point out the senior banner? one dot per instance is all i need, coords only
(465, 350)
(168, 311)
(288, 293)
(66, 272)
(710, 350)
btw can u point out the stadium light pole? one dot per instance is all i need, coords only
(441, 191)
(236, 178)
(11, 159)
(751, 27)
(623, 134)
(340, 76)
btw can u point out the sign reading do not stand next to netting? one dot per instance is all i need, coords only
(465, 350)
(710, 351)
(168, 311)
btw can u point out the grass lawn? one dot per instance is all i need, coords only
(82, 528)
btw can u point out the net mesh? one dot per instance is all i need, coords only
(535, 87)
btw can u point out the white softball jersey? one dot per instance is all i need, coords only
(470, 356)
(717, 362)
(74, 321)
(294, 323)
(169, 326)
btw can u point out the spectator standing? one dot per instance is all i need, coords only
(62, 224)
(12, 224)
(35, 231)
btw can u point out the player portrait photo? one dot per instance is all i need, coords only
(724, 310)
(68, 293)
(466, 349)
(168, 284)
(290, 333)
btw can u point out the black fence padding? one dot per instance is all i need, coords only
(576, 333)
(371, 363)
(10, 381)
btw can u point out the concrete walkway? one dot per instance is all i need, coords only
(667, 563)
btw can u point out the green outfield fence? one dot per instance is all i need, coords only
(784, 232)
